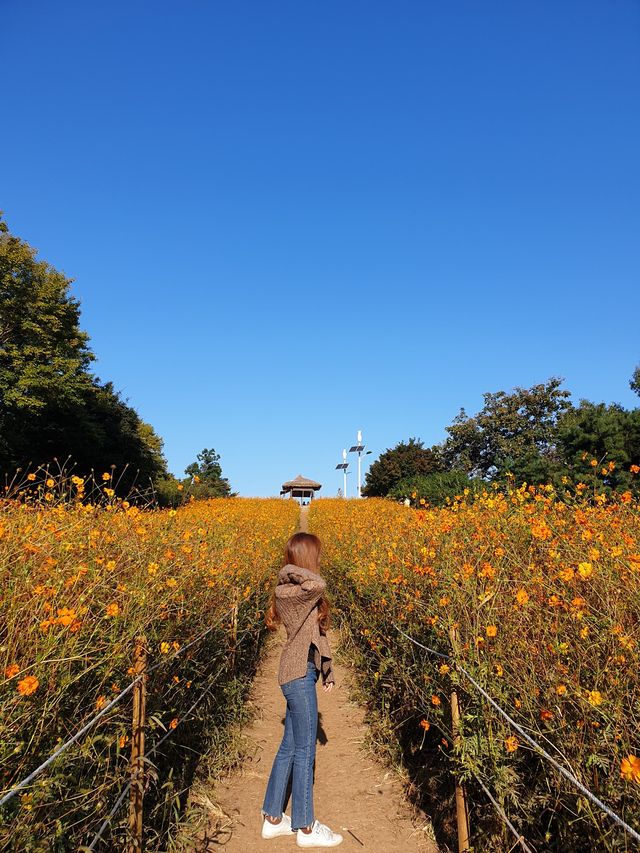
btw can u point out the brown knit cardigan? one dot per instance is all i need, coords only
(298, 591)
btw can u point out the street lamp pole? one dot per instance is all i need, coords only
(359, 448)
(343, 466)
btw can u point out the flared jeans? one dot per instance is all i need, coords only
(296, 753)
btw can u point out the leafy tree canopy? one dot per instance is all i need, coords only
(435, 488)
(406, 459)
(51, 405)
(513, 433)
(206, 476)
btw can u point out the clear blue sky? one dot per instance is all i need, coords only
(290, 220)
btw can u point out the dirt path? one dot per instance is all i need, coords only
(353, 794)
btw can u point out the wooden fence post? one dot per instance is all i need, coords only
(136, 797)
(462, 815)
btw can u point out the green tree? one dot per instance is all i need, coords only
(44, 355)
(635, 381)
(406, 459)
(51, 405)
(205, 476)
(606, 434)
(513, 433)
(435, 488)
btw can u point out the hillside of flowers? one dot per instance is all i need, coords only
(537, 595)
(80, 581)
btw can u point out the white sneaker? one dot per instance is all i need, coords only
(320, 836)
(273, 830)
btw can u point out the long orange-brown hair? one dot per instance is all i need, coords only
(302, 549)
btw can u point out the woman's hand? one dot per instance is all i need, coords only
(328, 687)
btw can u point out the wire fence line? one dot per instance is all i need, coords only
(63, 747)
(533, 743)
(519, 838)
(118, 803)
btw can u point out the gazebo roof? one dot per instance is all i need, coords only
(301, 482)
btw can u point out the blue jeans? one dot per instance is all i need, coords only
(297, 752)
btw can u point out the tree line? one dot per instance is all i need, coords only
(532, 435)
(54, 409)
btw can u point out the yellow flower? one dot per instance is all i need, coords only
(561, 689)
(28, 685)
(595, 697)
(443, 669)
(492, 630)
(106, 476)
(152, 568)
(522, 596)
(630, 769)
(50, 483)
(594, 463)
(31, 477)
(511, 743)
(164, 648)
(585, 570)
(172, 582)
(112, 609)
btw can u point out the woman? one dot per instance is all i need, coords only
(298, 603)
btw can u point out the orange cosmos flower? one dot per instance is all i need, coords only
(435, 700)
(630, 769)
(11, 670)
(595, 697)
(28, 685)
(173, 723)
(492, 630)
(112, 609)
(66, 616)
(522, 597)
(512, 743)
(545, 715)
(424, 724)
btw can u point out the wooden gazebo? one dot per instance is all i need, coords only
(300, 488)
